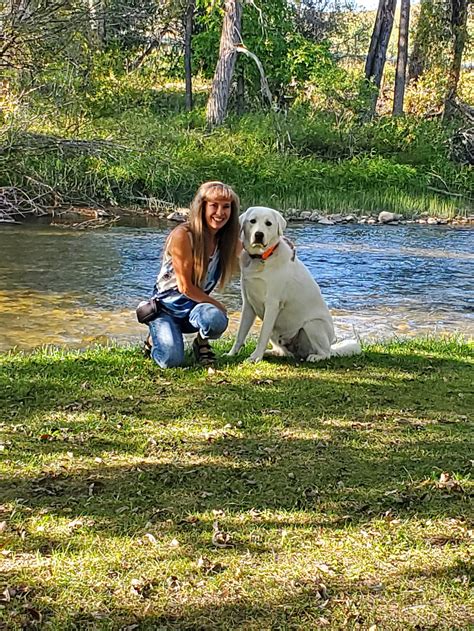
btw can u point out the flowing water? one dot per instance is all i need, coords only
(66, 287)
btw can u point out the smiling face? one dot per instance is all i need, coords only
(261, 228)
(217, 212)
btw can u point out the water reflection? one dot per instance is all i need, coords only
(60, 286)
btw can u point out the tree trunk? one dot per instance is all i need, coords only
(97, 21)
(417, 58)
(378, 47)
(188, 31)
(230, 38)
(240, 100)
(459, 35)
(402, 58)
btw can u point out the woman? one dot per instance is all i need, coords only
(198, 255)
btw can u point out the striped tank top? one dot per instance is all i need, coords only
(166, 286)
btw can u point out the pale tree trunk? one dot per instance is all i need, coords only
(402, 58)
(377, 54)
(230, 38)
(459, 10)
(188, 31)
(97, 11)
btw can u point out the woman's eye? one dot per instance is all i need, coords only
(253, 221)
(268, 223)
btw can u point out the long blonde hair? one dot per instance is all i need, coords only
(227, 236)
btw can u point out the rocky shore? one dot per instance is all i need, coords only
(383, 217)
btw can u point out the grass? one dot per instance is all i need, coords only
(305, 160)
(328, 479)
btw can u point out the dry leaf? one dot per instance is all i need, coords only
(220, 538)
(173, 582)
(174, 543)
(446, 481)
(151, 538)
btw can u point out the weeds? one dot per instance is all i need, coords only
(304, 160)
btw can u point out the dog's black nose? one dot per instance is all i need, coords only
(259, 237)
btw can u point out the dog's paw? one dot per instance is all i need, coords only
(254, 358)
(232, 353)
(313, 358)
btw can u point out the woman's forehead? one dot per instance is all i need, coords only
(218, 195)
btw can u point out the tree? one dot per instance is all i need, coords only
(400, 77)
(458, 24)
(376, 56)
(431, 38)
(230, 39)
(188, 31)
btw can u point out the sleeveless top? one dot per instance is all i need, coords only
(166, 287)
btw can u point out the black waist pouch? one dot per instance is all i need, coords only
(148, 310)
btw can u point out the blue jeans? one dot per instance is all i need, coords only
(167, 332)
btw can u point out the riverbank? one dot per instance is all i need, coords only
(302, 159)
(344, 490)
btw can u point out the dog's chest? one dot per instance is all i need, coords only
(259, 284)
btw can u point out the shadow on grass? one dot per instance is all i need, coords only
(344, 441)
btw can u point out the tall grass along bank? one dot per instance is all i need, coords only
(304, 160)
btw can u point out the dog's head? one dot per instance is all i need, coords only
(260, 228)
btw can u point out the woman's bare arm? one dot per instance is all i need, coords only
(182, 256)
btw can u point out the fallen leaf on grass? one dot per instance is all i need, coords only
(174, 543)
(140, 587)
(173, 582)
(150, 538)
(206, 566)
(443, 540)
(446, 481)
(220, 538)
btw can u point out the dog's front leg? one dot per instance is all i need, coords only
(272, 309)
(246, 321)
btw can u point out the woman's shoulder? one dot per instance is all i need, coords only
(180, 236)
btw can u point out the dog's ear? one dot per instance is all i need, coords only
(281, 223)
(242, 219)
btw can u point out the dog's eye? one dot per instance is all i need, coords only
(268, 223)
(253, 221)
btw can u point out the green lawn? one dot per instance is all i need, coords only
(329, 479)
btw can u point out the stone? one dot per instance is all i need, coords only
(350, 218)
(176, 216)
(371, 221)
(432, 221)
(315, 217)
(324, 221)
(388, 217)
(306, 214)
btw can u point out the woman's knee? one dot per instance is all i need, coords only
(211, 320)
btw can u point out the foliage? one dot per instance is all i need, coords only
(345, 490)
(303, 159)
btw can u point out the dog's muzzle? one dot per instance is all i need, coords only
(258, 238)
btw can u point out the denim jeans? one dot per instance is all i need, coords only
(167, 332)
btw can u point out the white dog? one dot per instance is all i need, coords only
(279, 289)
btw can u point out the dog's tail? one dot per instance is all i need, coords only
(346, 347)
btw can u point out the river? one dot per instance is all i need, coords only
(68, 287)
